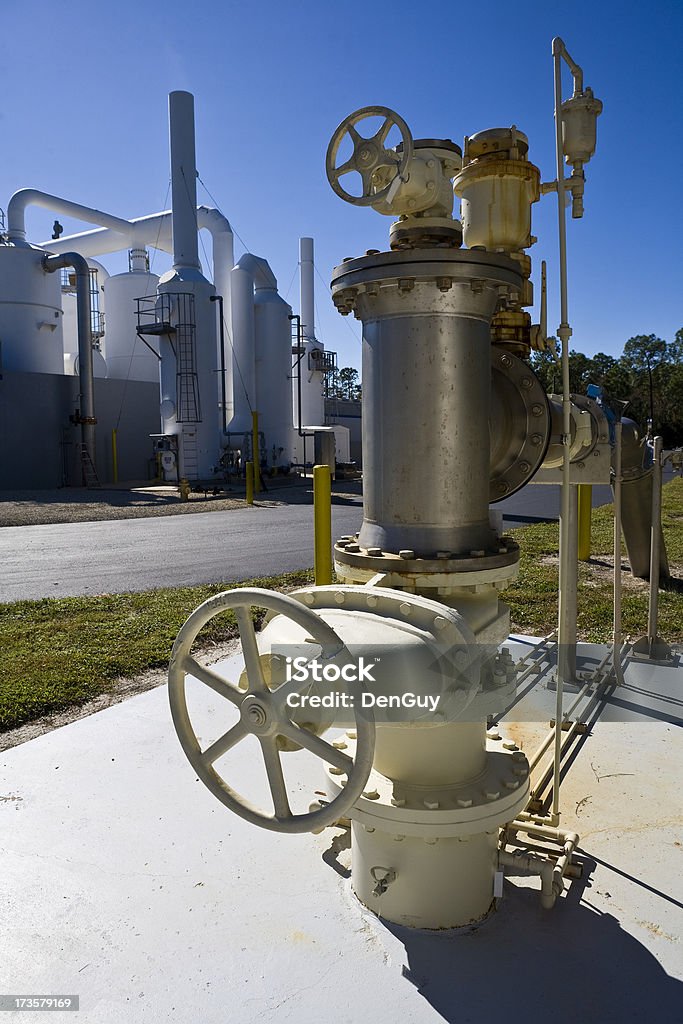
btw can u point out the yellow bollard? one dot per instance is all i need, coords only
(255, 451)
(114, 458)
(585, 509)
(322, 520)
(250, 483)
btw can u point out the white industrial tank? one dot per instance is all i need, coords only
(273, 372)
(30, 313)
(127, 356)
(240, 359)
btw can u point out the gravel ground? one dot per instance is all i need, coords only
(78, 505)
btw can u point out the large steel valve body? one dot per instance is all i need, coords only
(426, 317)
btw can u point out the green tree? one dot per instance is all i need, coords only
(649, 371)
(344, 383)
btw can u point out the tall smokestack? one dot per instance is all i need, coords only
(307, 293)
(183, 181)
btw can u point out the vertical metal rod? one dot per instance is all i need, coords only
(250, 483)
(585, 512)
(86, 396)
(616, 643)
(567, 574)
(224, 401)
(114, 457)
(564, 332)
(322, 518)
(655, 544)
(255, 452)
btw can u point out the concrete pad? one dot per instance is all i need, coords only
(125, 882)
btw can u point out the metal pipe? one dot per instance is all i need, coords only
(322, 517)
(183, 181)
(536, 866)
(260, 271)
(577, 73)
(86, 397)
(616, 641)
(221, 328)
(536, 757)
(543, 318)
(585, 495)
(564, 331)
(562, 866)
(307, 289)
(655, 543)
(569, 586)
(16, 214)
(551, 770)
(300, 353)
(114, 457)
(153, 230)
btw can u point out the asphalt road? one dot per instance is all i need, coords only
(166, 551)
(173, 551)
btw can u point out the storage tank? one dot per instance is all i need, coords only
(272, 332)
(128, 357)
(30, 313)
(240, 355)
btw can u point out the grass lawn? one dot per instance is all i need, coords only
(62, 653)
(59, 653)
(533, 595)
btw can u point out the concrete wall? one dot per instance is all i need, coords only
(38, 444)
(339, 410)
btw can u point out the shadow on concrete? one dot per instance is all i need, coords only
(524, 964)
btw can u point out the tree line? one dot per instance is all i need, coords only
(646, 380)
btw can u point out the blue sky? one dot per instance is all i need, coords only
(83, 114)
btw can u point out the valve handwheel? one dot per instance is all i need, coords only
(264, 713)
(369, 154)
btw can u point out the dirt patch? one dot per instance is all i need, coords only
(599, 571)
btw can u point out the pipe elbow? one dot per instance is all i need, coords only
(213, 220)
(66, 259)
(260, 271)
(16, 213)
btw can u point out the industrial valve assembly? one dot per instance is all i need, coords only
(445, 332)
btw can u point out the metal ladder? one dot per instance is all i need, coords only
(190, 462)
(88, 471)
(187, 385)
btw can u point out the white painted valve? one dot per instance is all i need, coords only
(263, 713)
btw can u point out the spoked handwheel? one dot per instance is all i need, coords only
(264, 713)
